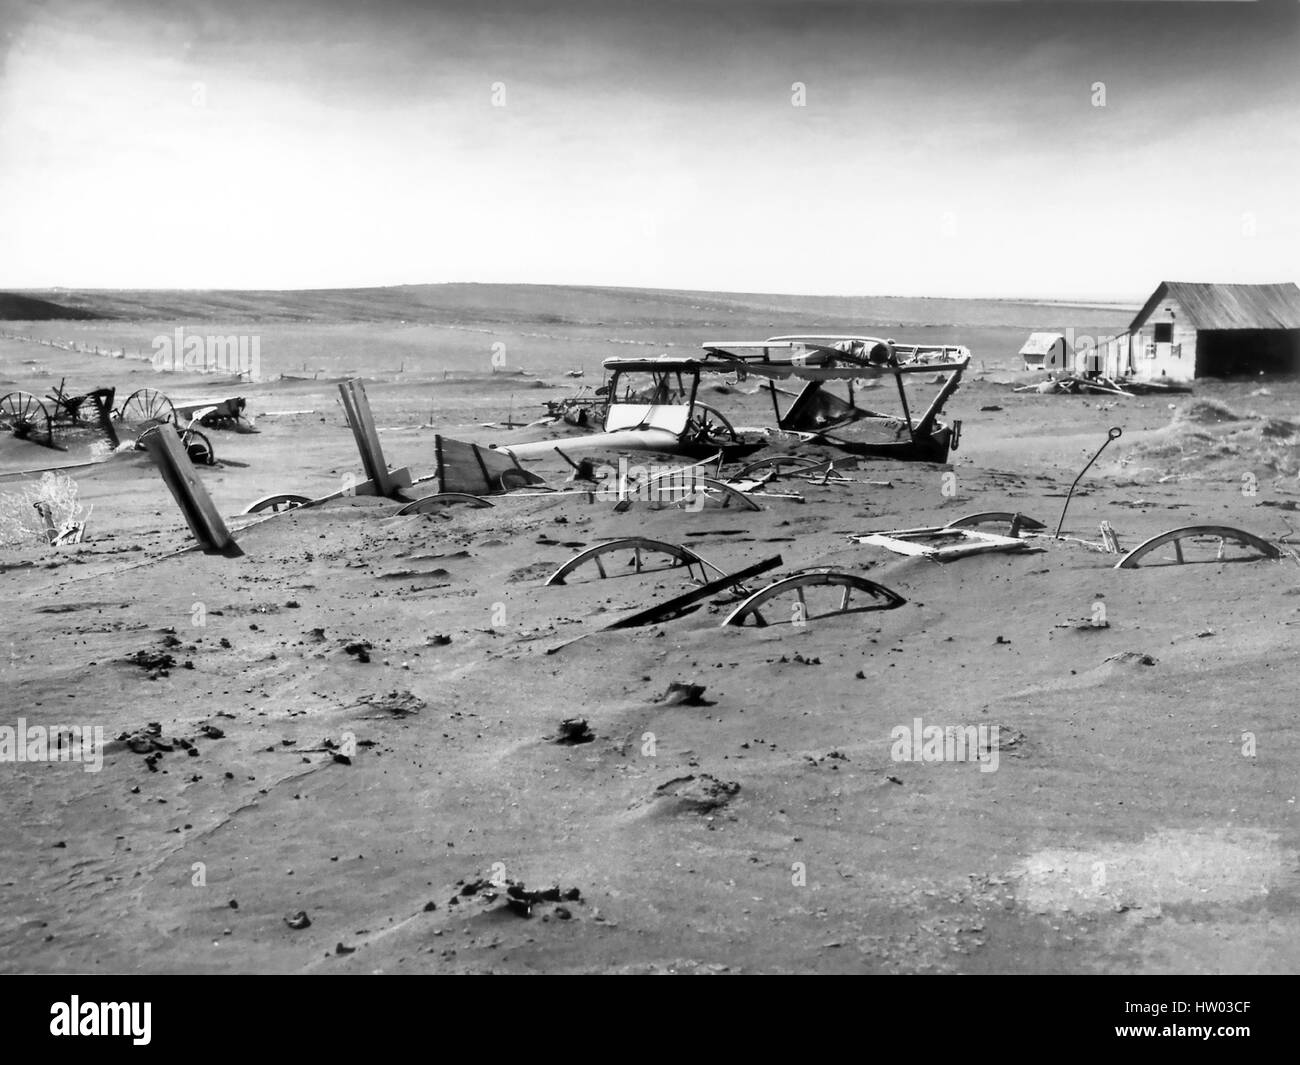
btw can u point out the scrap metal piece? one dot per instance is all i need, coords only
(878, 597)
(683, 557)
(1173, 536)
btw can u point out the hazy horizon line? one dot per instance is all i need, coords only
(1020, 298)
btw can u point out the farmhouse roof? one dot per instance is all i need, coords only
(1040, 343)
(1210, 306)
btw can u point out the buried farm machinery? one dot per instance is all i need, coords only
(61, 414)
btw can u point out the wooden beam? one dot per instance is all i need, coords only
(660, 611)
(670, 606)
(165, 448)
(362, 422)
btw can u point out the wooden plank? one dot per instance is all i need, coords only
(165, 448)
(970, 542)
(671, 606)
(1109, 538)
(658, 612)
(357, 406)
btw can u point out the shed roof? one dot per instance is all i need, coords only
(1210, 306)
(1040, 343)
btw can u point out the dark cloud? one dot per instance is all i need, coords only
(981, 108)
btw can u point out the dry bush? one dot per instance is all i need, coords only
(21, 523)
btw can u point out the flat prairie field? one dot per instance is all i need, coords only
(368, 718)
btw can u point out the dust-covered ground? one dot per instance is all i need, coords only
(359, 718)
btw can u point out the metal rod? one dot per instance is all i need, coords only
(1114, 433)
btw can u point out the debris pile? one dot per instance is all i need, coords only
(517, 898)
(701, 794)
(399, 703)
(574, 730)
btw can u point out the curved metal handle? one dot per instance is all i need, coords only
(1113, 433)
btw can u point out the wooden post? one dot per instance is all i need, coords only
(1109, 538)
(201, 515)
(380, 480)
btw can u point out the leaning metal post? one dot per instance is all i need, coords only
(1114, 434)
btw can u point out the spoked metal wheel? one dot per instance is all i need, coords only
(22, 414)
(433, 504)
(633, 556)
(805, 597)
(711, 424)
(146, 407)
(198, 447)
(1199, 543)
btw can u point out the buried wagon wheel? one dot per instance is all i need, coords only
(776, 465)
(1017, 521)
(146, 407)
(703, 492)
(709, 423)
(681, 558)
(798, 611)
(22, 414)
(430, 504)
(198, 447)
(1200, 533)
(281, 501)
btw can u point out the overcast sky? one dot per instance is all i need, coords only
(943, 149)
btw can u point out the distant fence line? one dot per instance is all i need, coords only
(247, 367)
(84, 349)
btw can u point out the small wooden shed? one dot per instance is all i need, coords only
(1045, 351)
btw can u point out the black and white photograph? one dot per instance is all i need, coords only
(740, 487)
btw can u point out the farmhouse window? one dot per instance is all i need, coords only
(1164, 332)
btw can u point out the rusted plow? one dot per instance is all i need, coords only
(34, 419)
(144, 410)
